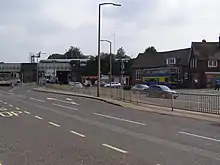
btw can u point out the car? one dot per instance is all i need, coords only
(76, 84)
(140, 88)
(161, 91)
(113, 85)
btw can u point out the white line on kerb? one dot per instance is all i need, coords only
(27, 112)
(116, 118)
(79, 134)
(66, 107)
(199, 136)
(17, 108)
(38, 117)
(54, 124)
(114, 148)
(37, 100)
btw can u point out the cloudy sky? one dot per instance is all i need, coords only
(51, 26)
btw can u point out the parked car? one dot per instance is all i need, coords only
(113, 85)
(161, 91)
(76, 84)
(139, 88)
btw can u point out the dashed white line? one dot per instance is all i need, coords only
(17, 108)
(38, 117)
(27, 112)
(69, 99)
(199, 136)
(10, 105)
(115, 148)
(22, 96)
(62, 101)
(78, 134)
(66, 107)
(116, 118)
(37, 100)
(54, 124)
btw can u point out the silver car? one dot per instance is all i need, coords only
(139, 88)
(161, 91)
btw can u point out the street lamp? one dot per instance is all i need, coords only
(110, 61)
(99, 31)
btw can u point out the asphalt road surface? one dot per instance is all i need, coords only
(48, 129)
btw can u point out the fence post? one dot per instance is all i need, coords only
(172, 102)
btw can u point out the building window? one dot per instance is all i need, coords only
(171, 61)
(193, 63)
(138, 74)
(212, 63)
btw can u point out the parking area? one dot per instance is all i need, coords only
(201, 100)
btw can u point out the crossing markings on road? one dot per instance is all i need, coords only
(27, 112)
(5, 103)
(37, 100)
(3, 109)
(10, 113)
(116, 118)
(66, 107)
(63, 101)
(10, 105)
(69, 99)
(17, 108)
(38, 117)
(115, 148)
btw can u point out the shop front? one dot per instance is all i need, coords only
(211, 78)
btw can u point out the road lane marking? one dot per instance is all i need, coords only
(21, 96)
(79, 134)
(37, 100)
(10, 113)
(69, 99)
(27, 112)
(5, 103)
(38, 117)
(10, 105)
(62, 101)
(17, 108)
(116, 118)
(199, 136)
(115, 148)
(66, 107)
(54, 124)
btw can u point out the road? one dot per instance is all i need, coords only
(42, 128)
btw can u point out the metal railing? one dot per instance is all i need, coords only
(206, 103)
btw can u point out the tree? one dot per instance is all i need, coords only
(150, 49)
(72, 53)
(121, 54)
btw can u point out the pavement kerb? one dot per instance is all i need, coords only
(147, 108)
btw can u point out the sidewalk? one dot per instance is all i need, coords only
(142, 107)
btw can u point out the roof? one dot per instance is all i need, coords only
(63, 60)
(206, 50)
(158, 59)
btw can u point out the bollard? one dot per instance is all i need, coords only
(172, 102)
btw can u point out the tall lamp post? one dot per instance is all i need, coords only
(110, 60)
(99, 31)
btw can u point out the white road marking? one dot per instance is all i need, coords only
(116, 118)
(69, 99)
(10, 105)
(63, 101)
(37, 100)
(38, 117)
(21, 96)
(5, 102)
(3, 109)
(54, 124)
(79, 134)
(27, 112)
(11, 93)
(115, 148)
(199, 136)
(17, 108)
(66, 107)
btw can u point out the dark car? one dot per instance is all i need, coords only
(161, 91)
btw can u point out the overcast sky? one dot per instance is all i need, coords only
(52, 26)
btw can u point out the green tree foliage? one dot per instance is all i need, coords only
(72, 53)
(150, 49)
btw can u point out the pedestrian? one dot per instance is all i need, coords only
(217, 85)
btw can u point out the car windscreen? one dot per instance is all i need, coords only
(165, 88)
